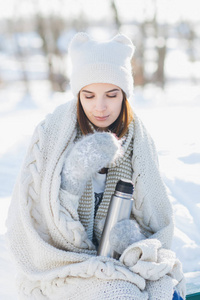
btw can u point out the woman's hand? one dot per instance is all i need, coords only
(88, 156)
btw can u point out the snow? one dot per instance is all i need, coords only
(172, 118)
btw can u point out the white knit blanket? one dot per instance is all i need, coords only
(54, 256)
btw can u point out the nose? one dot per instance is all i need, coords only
(100, 104)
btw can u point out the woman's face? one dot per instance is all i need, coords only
(101, 103)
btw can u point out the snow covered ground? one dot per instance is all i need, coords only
(173, 119)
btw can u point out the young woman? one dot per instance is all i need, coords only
(61, 198)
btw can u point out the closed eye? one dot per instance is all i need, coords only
(89, 97)
(111, 96)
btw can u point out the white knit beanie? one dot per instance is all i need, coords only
(101, 62)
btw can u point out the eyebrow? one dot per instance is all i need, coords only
(113, 90)
(85, 91)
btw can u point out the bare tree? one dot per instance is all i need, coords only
(138, 59)
(189, 37)
(49, 29)
(116, 14)
(20, 52)
(161, 37)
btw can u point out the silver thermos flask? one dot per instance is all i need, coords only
(119, 209)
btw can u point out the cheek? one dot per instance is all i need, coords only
(84, 104)
(117, 107)
(87, 107)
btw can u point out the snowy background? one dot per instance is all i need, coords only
(171, 112)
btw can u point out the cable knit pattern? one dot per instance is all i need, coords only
(52, 245)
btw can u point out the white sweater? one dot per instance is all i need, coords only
(51, 247)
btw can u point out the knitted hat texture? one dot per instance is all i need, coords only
(101, 62)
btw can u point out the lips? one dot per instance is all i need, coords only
(101, 118)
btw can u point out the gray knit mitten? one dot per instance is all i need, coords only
(88, 156)
(124, 234)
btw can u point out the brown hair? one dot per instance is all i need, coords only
(119, 127)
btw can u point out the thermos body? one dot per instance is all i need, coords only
(119, 209)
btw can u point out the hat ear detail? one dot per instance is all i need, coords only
(122, 39)
(79, 39)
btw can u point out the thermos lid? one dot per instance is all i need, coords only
(125, 186)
